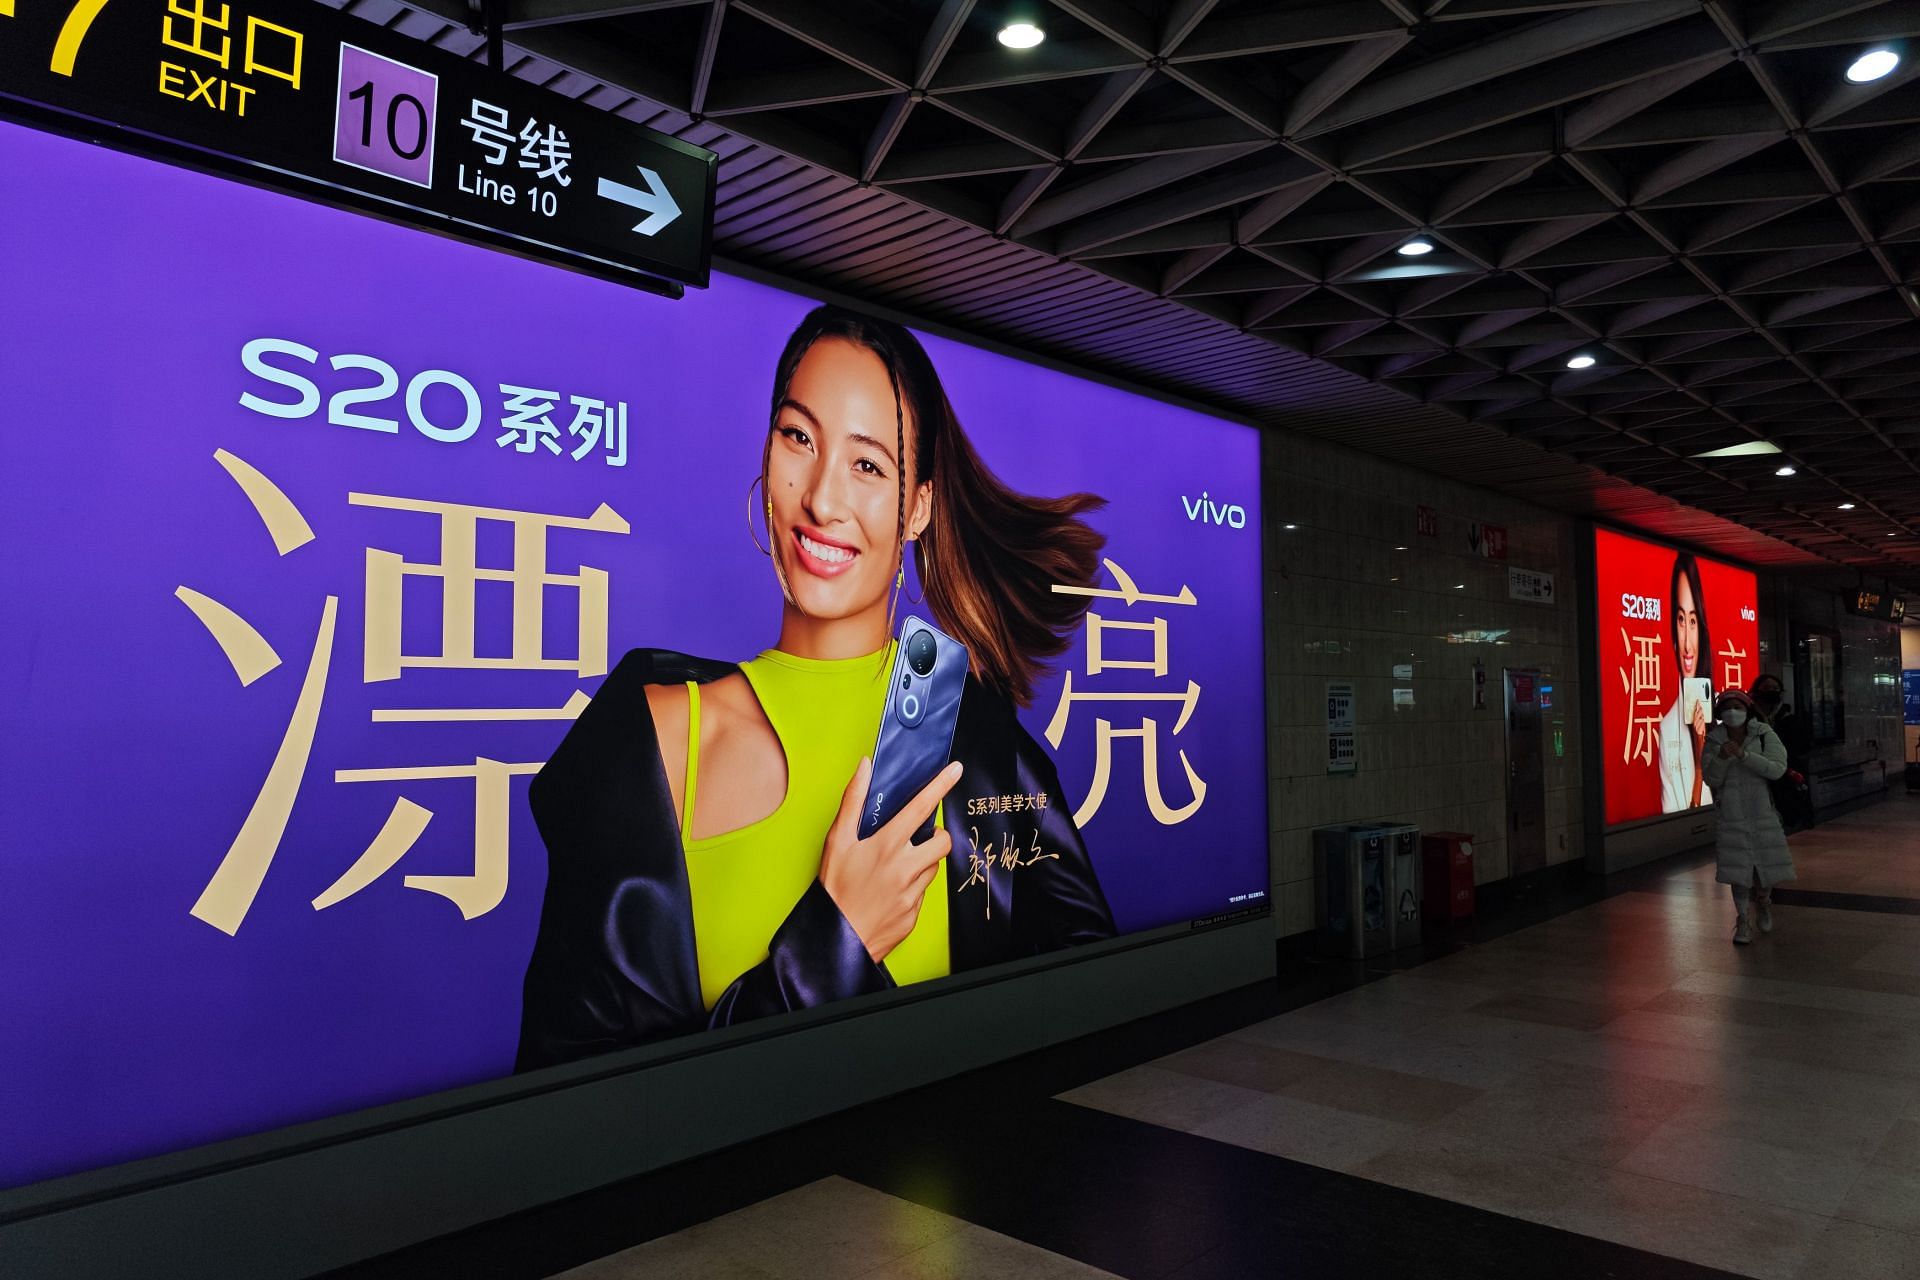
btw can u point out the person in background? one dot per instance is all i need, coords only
(1790, 792)
(1743, 755)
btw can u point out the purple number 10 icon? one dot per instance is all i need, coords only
(383, 121)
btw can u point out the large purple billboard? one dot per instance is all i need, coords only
(324, 782)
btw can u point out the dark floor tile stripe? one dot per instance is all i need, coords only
(1787, 897)
(1148, 1203)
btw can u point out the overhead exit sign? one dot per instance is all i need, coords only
(313, 100)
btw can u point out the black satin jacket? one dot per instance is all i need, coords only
(613, 964)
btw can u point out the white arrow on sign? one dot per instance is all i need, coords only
(656, 201)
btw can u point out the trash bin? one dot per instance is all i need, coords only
(1352, 872)
(1406, 885)
(1369, 888)
(1448, 856)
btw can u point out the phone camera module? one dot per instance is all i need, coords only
(921, 650)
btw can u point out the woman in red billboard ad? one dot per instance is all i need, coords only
(1678, 629)
(1683, 730)
(703, 819)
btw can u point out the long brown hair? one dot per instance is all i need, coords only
(990, 557)
(1685, 566)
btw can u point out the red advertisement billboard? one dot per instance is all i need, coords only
(1675, 630)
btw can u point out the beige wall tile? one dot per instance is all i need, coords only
(1346, 603)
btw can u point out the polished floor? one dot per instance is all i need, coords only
(1597, 1083)
(835, 1227)
(1621, 1072)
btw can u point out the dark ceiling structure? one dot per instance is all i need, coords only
(1208, 197)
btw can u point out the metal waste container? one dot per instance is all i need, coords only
(1352, 874)
(1405, 883)
(1369, 881)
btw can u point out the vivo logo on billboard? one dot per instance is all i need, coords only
(1232, 515)
(1747, 614)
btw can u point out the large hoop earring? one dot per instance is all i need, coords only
(779, 569)
(911, 598)
(750, 533)
(893, 604)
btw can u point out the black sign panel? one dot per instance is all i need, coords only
(1875, 604)
(306, 93)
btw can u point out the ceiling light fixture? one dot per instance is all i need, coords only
(1290, 526)
(1748, 449)
(1875, 64)
(1416, 247)
(1846, 506)
(1786, 471)
(1021, 35)
(1581, 362)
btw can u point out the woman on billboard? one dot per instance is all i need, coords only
(1683, 730)
(702, 819)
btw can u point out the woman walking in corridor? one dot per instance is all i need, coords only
(1743, 755)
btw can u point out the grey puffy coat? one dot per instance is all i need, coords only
(1750, 838)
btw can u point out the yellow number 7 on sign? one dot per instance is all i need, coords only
(66, 47)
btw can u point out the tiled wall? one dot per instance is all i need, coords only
(1354, 590)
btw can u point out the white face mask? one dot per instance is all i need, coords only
(1734, 718)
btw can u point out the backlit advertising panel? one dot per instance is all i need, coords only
(422, 665)
(1676, 629)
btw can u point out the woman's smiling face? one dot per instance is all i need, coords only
(834, 481)
(1686, 626)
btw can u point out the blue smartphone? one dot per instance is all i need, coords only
(916, 728)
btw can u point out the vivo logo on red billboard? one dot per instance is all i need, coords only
(1205, 511)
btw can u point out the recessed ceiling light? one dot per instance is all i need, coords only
(1416, 247)
(1461, 586)
(1021, 35)
(1846, 506)
(1399, 548)
(1873, 65)
(1786, 471)
(1581, 362)
(1290, 526)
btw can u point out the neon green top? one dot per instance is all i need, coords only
(744, 882)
